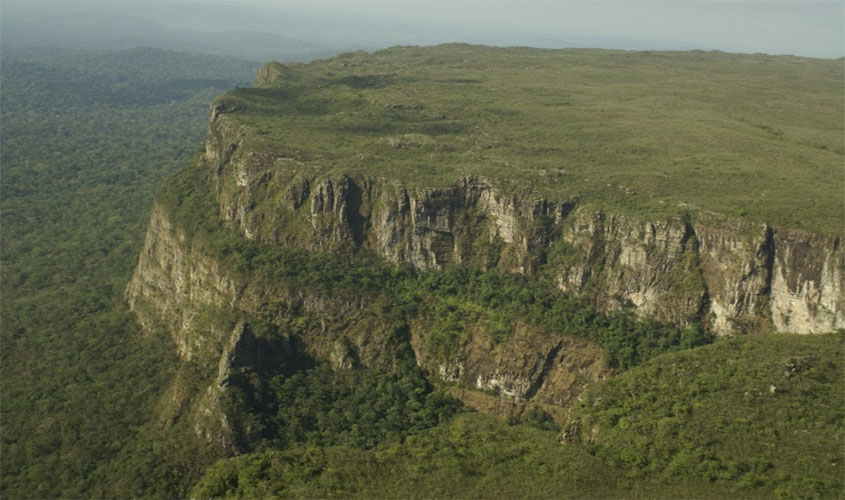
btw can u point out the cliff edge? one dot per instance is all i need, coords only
(503, 161)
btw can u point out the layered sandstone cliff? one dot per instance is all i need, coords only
(689, 267)
(696, 267)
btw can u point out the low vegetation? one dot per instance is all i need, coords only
(702, 423)
(635, 132)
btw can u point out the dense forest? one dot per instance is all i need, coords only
(90, 138)
(87, 136)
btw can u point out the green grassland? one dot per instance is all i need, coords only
(752, 136)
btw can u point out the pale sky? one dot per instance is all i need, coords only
(801, 27)
(813, 28)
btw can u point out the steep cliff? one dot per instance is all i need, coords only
(371, 152)
(354, 157)
(697, 267)
(226, 323)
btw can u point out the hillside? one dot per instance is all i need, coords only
(702, 423)
(459, 270)
(754, 412)
(367, 222)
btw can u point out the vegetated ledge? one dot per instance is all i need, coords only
(499, 342)
(274, 175)
(468, 155)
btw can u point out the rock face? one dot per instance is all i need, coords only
(729, 274)
(694, 268)
(209, 314)
(172, 289)
(241, 351)
(274, 73)
(535, 367)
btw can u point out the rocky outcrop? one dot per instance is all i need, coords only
(179, 287)
(699, 267)
(621, 262)
(531, 368)
(275, 73)
(807, 291)
(212, 419)
(212, 314)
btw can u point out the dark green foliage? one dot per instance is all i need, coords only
(461, 296)
(86, 138)
(538, 418)
(358, 408)
(759, 412)
(472, 456)
(702, 423)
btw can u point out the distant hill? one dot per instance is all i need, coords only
(103, 30)
(308, 30)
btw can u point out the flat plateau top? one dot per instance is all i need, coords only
(753, 136)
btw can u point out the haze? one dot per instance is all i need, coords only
(316, 28)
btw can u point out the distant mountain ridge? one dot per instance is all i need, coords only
(103, 30)
(297, 33)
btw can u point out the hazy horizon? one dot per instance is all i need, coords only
(797, 27)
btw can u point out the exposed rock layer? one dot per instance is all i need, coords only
(179, 287)
(730, 274)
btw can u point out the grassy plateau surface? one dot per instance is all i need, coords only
(752, 136)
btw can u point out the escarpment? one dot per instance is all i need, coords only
(731, 275)
(227, 324)
(355, 157)
(357, 161)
